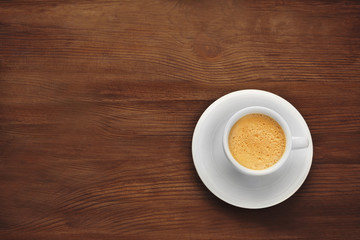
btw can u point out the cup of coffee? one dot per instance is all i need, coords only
(258, 141)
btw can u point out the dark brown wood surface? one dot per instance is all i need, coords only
(99, 100)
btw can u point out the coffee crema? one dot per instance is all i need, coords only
(257, 141)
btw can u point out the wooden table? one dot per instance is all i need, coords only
(99, 100)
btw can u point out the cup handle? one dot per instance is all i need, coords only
(299, 142)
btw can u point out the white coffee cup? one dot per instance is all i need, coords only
(292, 142)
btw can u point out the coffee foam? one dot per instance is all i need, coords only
(257, 141)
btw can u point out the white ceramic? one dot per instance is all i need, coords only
(225, 181)
(292, 142)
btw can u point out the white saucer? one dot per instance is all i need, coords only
(222, 179)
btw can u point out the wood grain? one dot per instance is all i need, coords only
(99, 100)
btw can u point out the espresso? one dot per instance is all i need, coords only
(257, 141)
